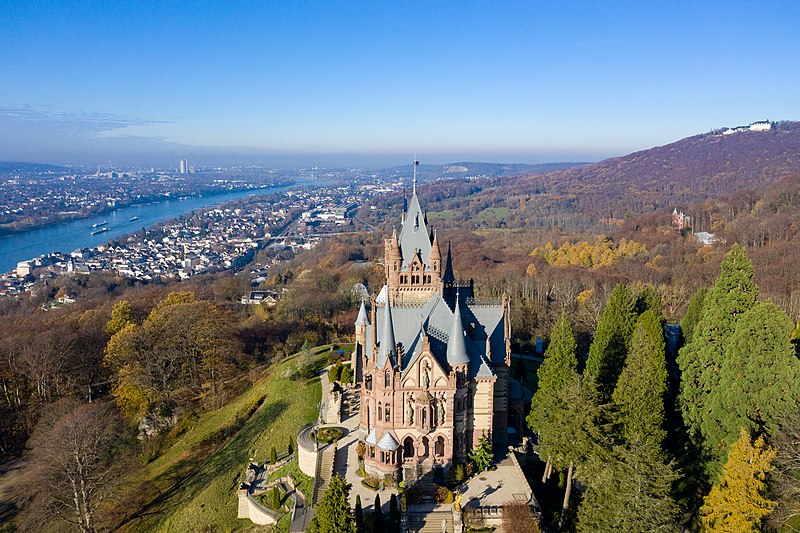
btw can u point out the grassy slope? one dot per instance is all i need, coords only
(189, 489)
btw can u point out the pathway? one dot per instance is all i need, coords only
(430, 518)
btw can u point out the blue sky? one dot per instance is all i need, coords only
(373, 82)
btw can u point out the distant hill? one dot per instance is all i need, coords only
(24, 167)
(463, 169)
(689, 170)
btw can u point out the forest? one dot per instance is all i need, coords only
(667, 399)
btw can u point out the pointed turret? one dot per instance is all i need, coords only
(448, 277)
(361, 319)
(456, 345)
(388, 346)
(436, 252)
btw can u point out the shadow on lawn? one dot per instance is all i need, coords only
(191, 475)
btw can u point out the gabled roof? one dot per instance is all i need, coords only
(411, 322)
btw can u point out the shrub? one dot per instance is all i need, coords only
(413, 496)
(443, 495)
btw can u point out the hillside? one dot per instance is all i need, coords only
(474, 169)
(192, 484)
(675, 175)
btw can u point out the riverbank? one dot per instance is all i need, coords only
(71, 216)
(66, 237)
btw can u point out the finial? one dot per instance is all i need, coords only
(416, 164)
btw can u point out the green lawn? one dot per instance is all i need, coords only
(492, 213)
(191, 489)
(447, 214)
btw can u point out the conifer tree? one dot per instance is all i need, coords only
(694, 311)
(482, 454)
(700, 360)
(359, 516)
(559, 368)
(738, 502)
(273, 455)
(629, 490)
(610, 345)
(333, 511)
(394, 515)
(642, 386)
(571, 438)
(649, 299)
(796, 339)
(759, 380)
(377, 514)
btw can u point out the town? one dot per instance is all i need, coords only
(210, 240)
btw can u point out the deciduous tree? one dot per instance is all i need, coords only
(738, 502)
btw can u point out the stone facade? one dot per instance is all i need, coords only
(432, 361)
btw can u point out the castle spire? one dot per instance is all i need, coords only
(448, 267)
(388, 347)
(456, 345)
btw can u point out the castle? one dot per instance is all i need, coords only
(432, 361)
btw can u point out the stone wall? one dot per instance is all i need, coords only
(307, 452)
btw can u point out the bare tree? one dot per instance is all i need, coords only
(518, 518)
(72, 465)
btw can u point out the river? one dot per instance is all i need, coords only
(69, 236)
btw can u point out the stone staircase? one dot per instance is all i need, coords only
(324, 471)
(431, 521)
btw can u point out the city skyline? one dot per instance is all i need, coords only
(339, 83)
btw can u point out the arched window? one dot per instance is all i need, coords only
(438, 447)
(380, 411)
(388, 379)
(388, 412)
(408, 448)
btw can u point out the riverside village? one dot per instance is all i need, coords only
(424, 419)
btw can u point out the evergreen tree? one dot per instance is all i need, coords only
(290, 445)
(694, 311)
(559, 368)
(610, 345)
(571, 438)
(482, 454)
(796, 339)
(273, 456)
(394, 515)
(377, 514)
(629, 490)
(333, 511)
(700, 360)
(738, 502)
(649, 299)
(642, 386)
(759, 380)
(276, 498)
(360, 527)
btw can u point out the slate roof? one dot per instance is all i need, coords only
(435, 318)
(414, 234)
